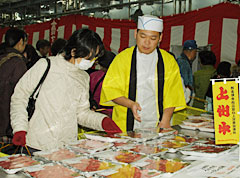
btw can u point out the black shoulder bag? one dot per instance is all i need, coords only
(32, 100)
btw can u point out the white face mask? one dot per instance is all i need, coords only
(84, 64)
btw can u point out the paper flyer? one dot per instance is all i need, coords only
(216, 169)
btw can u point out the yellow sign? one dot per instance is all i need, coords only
(226, 108)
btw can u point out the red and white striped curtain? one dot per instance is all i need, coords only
(218, 25)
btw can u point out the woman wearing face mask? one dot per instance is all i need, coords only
(63, 100)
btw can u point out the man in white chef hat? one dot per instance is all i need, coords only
(143, 82)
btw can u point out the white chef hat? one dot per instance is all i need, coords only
(148, 22)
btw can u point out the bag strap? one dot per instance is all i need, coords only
(9, 56)
(42, 79)
(98, 83)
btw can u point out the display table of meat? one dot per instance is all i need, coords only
(133, 155)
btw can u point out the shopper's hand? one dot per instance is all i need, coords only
(109, 126)
(135, 107)
(19, 138)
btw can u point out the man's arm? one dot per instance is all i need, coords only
(167, 114)
(134, 106)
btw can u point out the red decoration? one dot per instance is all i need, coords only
(224, 128)
(222, 94)
(223, 111)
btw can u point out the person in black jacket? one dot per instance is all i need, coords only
(31, 55)
(57, 46)
(43, 47)
(12, 68)
(223, 71)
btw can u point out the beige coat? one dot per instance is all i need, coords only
(61, 105)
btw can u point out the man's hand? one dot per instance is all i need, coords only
(166, 118)
(163, 124)
(135, 108)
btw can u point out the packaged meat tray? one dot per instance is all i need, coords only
(148, 149)
(56, 155)
(51, 170)
(166, 166)
(154, 130)
(106, 137)
(208, 127)
(186, 139)
(199, 149)
(128, 171)
(204, 116)
(88, 165)
(124, 146)
(197, 122)
(121, 156)
(139, 136)
(207, 115)
(211, 141)
(171, 145)
(14, 163)
(90, 146)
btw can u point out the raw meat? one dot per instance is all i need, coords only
(60, 155)
(18, 162)
(165, 165)
(148, 149)
(91, 165)
(57, 171)
(128, 157)
(133, 172)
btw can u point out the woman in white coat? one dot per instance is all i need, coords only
(63, 100)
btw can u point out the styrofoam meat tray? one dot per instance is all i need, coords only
(160, 131)
(184, 138)
(106, 137)
(89, 165)
(171, 145)
(56, 155)
(197, 122)
(199, 149)
(129, 171)
(139, 136)
(167, 166)
(51, 170)
(90, 146)
(119, 156)
(146, 149)
(14, 163)
(204, 128)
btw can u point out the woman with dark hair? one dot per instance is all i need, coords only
(2, 48)
(57, 46)
(63, 100)
(31, 55)
(12, 67)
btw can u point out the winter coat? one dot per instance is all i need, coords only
(62, 104)
(12, 68)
